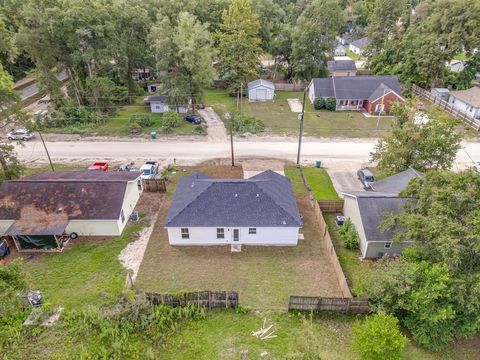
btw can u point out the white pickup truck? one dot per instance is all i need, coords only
(149, 170)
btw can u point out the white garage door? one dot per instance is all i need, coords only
(261, 94)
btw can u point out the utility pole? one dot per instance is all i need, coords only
(46, 150)
(381, 108)
(241, 97)
(230, 117)
(302, 116)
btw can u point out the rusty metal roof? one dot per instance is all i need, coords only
(37, 228)
(86, 176)
(35, 201)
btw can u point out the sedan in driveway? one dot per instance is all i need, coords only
(366, 178)
(20, 134)
(194, 119)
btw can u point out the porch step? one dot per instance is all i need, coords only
(235, 248)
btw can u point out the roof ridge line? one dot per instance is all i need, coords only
(280, 206)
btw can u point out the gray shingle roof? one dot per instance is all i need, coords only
(373, 210)
(354, 87)
(361, 43)
(341, 65)
(261, 201)
(380, 91)
(157, 97)
(262, 82)
(396, 183)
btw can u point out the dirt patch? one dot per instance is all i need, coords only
(215, 128)
(295, 105)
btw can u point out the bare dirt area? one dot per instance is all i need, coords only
(215, 128)
(255, 166)
(132, 255)
(265, 276)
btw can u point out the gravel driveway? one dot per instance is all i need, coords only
(216, 132)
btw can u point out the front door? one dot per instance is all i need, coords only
(236, 234)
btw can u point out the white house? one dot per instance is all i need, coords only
(358, 46)
(261, 90)
(467, 101)
(158, 104)
(36, 211)
(260, 210)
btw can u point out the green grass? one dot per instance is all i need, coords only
(461, 57)
(87, 273)
(320, 183)
(280, 120)
(118, 123)
(293, 173)
(352, 55)
(57, 167)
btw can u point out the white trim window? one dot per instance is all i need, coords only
(252, 231)
(220, 233)
(388, 245)
(185, 233)
(122, 216)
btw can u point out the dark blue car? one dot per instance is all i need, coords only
(194, 119)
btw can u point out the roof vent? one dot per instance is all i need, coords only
(236, 195)
(284, 222)
(193, 184)
(258, 195)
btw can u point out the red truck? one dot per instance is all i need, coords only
(98, 166)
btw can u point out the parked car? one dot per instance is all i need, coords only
(98, 166)
(194, 119)
(366, 178)
(20, 134)
(340, 220)
(149, 170)
(127, 167)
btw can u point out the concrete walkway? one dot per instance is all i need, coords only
(216, 132)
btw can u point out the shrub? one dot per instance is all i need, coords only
(331, 104)
(141, 119)
(134, 128)
(247, 124)
(319, 103)
(349, 235)
(200, 129)
(73, 115)
(172, 119)
(379, 337)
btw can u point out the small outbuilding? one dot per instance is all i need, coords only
(261, 90)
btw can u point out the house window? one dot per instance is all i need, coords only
(185, 233)
(157, 107)
(122, 216)
(220, 233)
(252, 231)
(388, 245)
(348, 73)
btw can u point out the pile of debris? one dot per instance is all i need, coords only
(265, 332)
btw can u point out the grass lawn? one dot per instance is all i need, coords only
(320, 183)
(57, 167)
(351, 54)
(280, 120)
(85, 273)
(226, 335)
(264, 276)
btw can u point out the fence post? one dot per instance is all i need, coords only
(209, 299)
(348, 305)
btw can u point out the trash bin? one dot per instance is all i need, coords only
(153, 135)
(318, 164)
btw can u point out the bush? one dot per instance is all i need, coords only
(319, 103)
(141, 119)
(134, 128)
(74, 115)
(247, 124)
(378, 337)
(331, 104)
(200, 129)
(172, 119)
(349, 235)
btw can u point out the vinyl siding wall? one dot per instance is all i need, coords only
(377, 249)
(351, 211)
(464, 107)
(285, 236)
(253, 96)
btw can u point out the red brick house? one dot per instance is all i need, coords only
(373, 94)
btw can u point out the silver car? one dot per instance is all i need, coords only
(20, 134)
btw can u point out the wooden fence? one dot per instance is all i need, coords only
(331, 206)
(467, 118)
(290, 87)
(344, 305)
(205, 299)
(154, 185)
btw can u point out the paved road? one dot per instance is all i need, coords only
(341, 157)
(32, 90)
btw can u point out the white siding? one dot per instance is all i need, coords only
(464, 107)
(158, 107)
(208, 236)
(355, 49)
(132, 194)
(254, 93)
(94, 227)
(351, 211)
